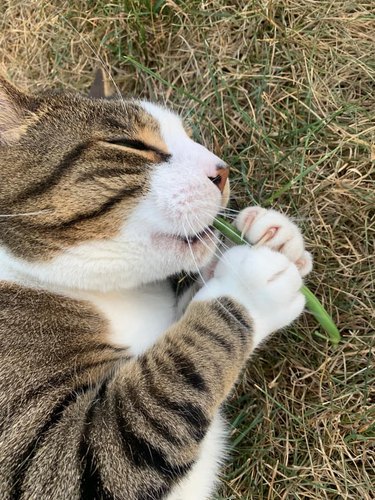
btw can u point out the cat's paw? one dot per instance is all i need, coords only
(264, 281)
(274, 230)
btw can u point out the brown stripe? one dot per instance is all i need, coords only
(133, 397)
(52, 180)
(56, 414)
(213, 336)
(91, 487)
(227, 310)
(142, 452)
(186, 368)
(101, 210)
(60, 380)
(110, 172)
(192, 414)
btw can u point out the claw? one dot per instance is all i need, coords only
(268, 235)
(304, 264)
(300, 262)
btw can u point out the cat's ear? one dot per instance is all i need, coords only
(14, 108)
(101, 87)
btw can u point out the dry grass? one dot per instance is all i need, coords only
(284, 91)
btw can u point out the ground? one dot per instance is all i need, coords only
(284, 91)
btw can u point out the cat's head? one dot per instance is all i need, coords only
(99, 193)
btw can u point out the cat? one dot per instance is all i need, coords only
(110, 385)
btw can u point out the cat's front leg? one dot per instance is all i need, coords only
(262, 280)
(149, 421)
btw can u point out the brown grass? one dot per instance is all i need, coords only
(284, 91)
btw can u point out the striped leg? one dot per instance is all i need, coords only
(155, 413)
(139, 433)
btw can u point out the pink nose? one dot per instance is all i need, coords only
(221, 177)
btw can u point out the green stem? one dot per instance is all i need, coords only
(313, 304)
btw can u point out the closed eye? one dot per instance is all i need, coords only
(131, 143)
(138, 146)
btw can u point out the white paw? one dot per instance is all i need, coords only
(265, 282)
(274, 230)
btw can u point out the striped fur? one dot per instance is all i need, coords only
(110, 388)
(82, 418)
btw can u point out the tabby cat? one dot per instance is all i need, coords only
(111, 385)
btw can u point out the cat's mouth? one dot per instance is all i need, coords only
(194, 238)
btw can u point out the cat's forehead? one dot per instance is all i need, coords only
(116, 112)
(169, 122)
(127, 115)
(64, 118)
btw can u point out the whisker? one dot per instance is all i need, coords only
(227, 209)
(226, 247)
(219, 243)
(205, 283)
(228, 216)
(235, 234)
(204, 243)
(193, 256)
(222, 257)
(98, 58)
(203, 280)
(243, 239)
(23, 214)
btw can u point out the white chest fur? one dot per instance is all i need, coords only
(137, 317)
